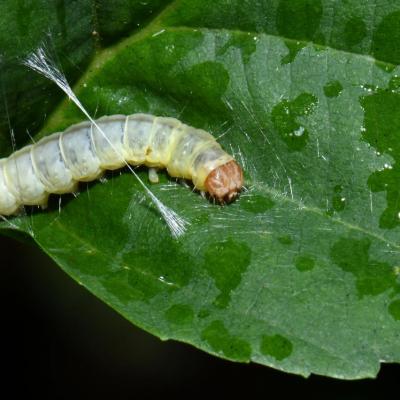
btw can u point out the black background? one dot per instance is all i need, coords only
(59, 341)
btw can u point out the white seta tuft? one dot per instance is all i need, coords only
(40, 62)
(177, 225)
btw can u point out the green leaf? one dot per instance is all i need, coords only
(302, 272)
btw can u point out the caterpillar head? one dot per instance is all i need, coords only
(225, 182)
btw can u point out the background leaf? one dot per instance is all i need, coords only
(302, 272)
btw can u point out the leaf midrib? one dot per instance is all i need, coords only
(276, 194)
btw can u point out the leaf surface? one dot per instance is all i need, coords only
(301, 273)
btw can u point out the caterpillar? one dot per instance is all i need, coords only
(56, 163)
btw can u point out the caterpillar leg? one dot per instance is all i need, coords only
(153, 175)
(183, 182)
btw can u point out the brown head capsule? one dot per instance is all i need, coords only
(225, 182)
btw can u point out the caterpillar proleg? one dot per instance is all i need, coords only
(58, 162)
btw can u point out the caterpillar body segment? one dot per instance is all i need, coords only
(58, 162)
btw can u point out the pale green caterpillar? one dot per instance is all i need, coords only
(58, 162)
